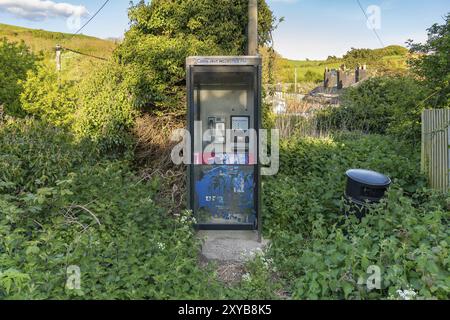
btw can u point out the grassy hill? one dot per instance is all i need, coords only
(387, 60)
(41, 40)
(74, 65)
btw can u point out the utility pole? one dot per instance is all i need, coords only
(58, 63)
(295, 80)
(58, 57)
(252, 28)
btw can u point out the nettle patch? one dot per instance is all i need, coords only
(75, 224)
(402, 244)
(61, 207)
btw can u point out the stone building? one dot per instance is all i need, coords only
(344, 78)
(361, 73)
(330, 78)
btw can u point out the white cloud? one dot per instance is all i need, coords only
(41, 9)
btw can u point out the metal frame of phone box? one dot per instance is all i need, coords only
(222, 64)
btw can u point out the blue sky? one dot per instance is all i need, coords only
(312, 29)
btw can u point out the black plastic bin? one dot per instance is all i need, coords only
(365, 187)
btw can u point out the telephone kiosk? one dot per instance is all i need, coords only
(224, 118)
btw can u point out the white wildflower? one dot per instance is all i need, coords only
(247, 277)
(408, 294)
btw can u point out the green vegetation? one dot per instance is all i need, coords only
(307, 71)
(380, 105)
(107, 106)
(45, 41)
(46, 96)
(63, 204)
(386, 61)
(321, 254)
(433, 67)
(164, 33)
(72, 194)
(15, 61)
(318, 250)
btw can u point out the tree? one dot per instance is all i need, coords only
(432, 66)
(164, 33)
(15, 61)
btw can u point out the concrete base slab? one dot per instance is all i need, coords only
(230, 246)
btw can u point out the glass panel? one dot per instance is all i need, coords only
(225, 194)
(224, 102)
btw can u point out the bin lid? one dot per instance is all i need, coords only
(369, 177)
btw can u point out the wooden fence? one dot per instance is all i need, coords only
(436, 148)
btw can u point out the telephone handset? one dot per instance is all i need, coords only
(218, 129)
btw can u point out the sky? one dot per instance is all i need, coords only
(313, 29)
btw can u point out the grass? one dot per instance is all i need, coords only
(46, 41)
(75, 66)
(286, 73)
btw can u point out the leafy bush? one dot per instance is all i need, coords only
(322, 254)
(312, 177)
(164, 33)
(432, 64)
(34, 154)
(208, 21)
(409, 244)
(66, 207)
(379, 105)
(48, 96)
(107, 107)
(15, 61)
(159, 65)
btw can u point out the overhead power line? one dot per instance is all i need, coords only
(84, 54)
(92, 18)
(367, 19)
(59, 48)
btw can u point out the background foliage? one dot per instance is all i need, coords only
(379, 105)
(48, 96)
(164, 33)
(15, 61)
(433, 66)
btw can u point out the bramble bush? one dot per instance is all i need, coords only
(322, 254)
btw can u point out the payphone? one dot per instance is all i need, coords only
(224, 107)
